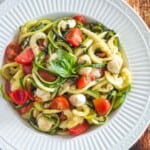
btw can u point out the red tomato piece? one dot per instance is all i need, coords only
(101, 54)
(25, 109)
(101, 105)
(60, 102)
(80, 18)
(42, 44)
(90, 77)
(82, 82)
(47, 76)
(27, 69)
(74, 37)
(7, 88)
(25, 57)
(79, 129)
(102, 71)
(31, 94)
(46, 58)
(62, 116)
(12, 50)
(19, 96)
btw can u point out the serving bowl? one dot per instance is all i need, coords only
(128, 122)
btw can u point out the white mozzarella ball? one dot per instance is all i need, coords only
(71, 23)
(85, 71)
(84, 59)
(114, 66)
(44, 96)
(77, 100)
(96, 73)
(44, 124)
(68, 23)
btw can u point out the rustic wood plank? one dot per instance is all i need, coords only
(143, 8)
(144, 142)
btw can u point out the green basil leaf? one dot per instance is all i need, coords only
(65, 64)
(63, 55)
(98, 65)
(59, 69)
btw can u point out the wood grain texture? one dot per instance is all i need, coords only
(144, 142)
(143, 8)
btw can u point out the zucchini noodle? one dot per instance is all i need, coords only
(103, 86)
(65, 75)
(33, 41)
(102, 45)
(95, 58)
(112, 46)
(27, 30)
(15, 80)
(10, 69)
(77, 91)
(81, 111)
(40, 85)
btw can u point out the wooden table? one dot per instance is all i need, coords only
(143, 8)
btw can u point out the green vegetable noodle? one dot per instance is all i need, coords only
(65, 75)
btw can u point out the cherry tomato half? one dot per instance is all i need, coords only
(80, 18)
(12, 50)
(25, 109)
(25, 57)
(7, 87)
(82, 82)
(79, 129)
(19, 96)
(27, 69)
(74, 37)
(101, 105)
(47, 76)
(60, 102)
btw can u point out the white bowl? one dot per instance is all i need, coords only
(129, 121)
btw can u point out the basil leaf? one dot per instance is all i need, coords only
(101, 65)
(63, 55)
(59, 69)
(65, 64)
(38, 27)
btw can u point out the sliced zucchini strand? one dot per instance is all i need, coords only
(9, 70)
(42, 86)
(77, 91)
(92, 50)
(103, 46)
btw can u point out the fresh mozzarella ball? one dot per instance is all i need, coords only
(33, 41)
(44, 96)
(84, 59)
(96, 73)
(68, 23)
(77, 100)
(85, 71)
(114, 66)
(44, 124)
(71, 23)
(53, 56)
(63, 25)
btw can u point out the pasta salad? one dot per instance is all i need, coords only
(65, 75)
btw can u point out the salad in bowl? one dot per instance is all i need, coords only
(65, 75)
